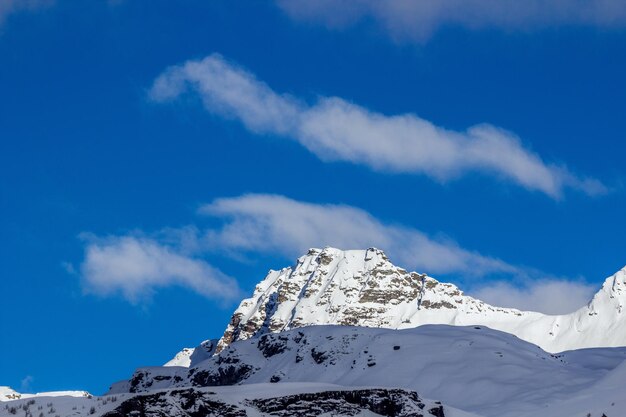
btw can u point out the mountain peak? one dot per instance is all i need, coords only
(363, 288)
(346, 287)
(323, 257)
(612, 295)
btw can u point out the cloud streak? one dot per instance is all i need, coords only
(274, 224)
(135, 267)
(336, 130)
(551, 296)
(417, 20)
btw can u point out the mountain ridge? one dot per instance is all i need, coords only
(363, 288)
(473, 368)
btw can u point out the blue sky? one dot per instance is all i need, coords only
(157, 158)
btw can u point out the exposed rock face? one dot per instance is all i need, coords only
(363, 288)
(194, 403)
(180, 403)
(392, 403)
(339, 287)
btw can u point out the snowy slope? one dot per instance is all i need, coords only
(474, 368)
(603, 398)
(362, 287)
(191, 356)
(182, 358)
(8, 394)
(474, 371)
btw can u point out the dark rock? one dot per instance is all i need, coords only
(271, 344)
(318, 357)
(182, 403)
(223, 375)
(437, 411)
(386, 402)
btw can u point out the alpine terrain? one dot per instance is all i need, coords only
(347, 333)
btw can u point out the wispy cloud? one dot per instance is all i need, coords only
(417, 20)
(136, 266)
(26, 384)
(275, 224)
(337, 130)
(550, 296)
(12, 6)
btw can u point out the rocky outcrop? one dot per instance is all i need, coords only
(384, 402)
(179, 403)
(195, 403)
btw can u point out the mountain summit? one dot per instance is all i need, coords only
(363, 288)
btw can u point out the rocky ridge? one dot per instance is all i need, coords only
(363, 288)
(196, 403)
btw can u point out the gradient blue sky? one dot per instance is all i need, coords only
(111, 258)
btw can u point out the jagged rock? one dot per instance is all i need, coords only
(391, 403)
(179, 403)
(194, 403)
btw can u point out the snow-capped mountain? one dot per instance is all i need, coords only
(363, 288)
(348, 333)
(479, 370)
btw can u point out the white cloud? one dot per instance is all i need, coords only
(416, 20)
(337, 130)
(134, 267)
(548, 296)
(275, 224)
(231, 92)
(8, 7)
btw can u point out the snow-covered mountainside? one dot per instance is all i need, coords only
(354, 371)
(191, 356)
(363, 288)
(9, 394)
(479, 370)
